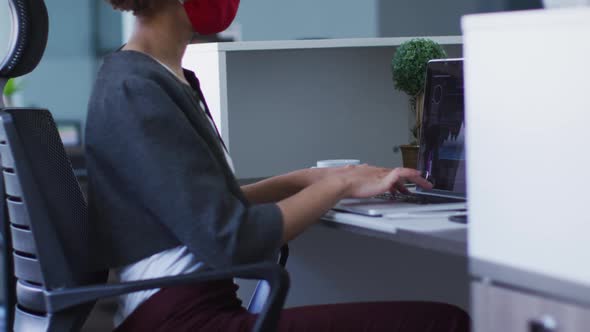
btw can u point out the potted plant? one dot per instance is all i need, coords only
(408, 67)
(12, 87)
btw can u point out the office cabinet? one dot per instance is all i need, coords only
(496, 309)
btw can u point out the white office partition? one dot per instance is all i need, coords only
(528, 136)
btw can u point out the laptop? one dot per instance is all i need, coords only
(442, 150)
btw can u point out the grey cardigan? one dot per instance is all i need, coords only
(158, 177)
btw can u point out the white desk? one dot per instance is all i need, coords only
(434, 233)
(403, 259)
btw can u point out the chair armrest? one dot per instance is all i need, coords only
(262, 290)
(284, 255)
(275, 275)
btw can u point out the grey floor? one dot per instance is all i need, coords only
(101, 317)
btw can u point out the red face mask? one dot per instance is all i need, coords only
(210, 16)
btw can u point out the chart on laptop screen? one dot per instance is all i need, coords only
(443, 128)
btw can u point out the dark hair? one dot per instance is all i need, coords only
(135, 6)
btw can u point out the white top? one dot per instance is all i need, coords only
(171, 262)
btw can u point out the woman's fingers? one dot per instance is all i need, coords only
(402, 188)
(413, 176)
(369, 180)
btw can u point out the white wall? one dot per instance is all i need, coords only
(402, 18)
(63, 80)
(280, 19)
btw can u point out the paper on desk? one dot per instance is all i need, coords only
(437, 214)
(360, 221)
(425, 222)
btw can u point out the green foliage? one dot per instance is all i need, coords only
(12, 87)
(409, 64)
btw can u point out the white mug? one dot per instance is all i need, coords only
(337, 163)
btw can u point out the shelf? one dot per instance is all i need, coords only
(316, 44)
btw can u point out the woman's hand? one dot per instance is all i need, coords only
(363, 180)
(324, 187)
(367, 181)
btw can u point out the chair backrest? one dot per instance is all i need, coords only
(48, 218)
(27, 40)
(30, 32)
(8, 281)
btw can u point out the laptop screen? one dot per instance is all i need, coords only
(442, 143)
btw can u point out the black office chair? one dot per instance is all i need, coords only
(49, 232)
(26, 47)
(50, 239)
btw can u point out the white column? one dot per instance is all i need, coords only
(128, 22)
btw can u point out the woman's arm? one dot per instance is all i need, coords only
(307, 206)
(279, 187)
(304, 196)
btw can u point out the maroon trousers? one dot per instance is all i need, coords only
(214, 306)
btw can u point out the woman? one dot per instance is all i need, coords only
(164, 201)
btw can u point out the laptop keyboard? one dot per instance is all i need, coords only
(418, 199)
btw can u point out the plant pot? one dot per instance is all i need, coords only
(410, 155)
